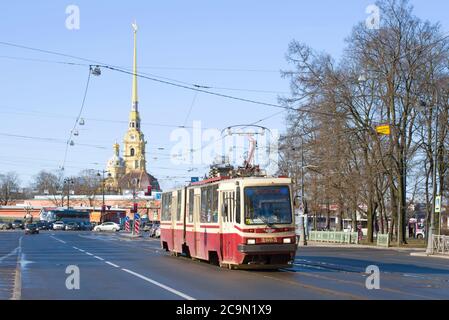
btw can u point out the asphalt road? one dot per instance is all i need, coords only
(114, 267)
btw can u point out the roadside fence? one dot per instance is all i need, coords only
(334, 237)
(383, 240)
(440, 244)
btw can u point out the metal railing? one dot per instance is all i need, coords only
(334, 236)
(440, 244)
(383, 240)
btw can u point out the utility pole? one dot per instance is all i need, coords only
(302, 215)
(431, 230)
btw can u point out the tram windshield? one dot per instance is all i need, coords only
(267, 205)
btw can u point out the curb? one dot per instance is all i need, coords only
(357, 246)
(425, 255)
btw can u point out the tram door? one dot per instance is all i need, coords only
(173, 220)
(179, 221)
(227, 224)
(196, 221)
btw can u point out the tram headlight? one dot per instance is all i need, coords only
(287, 240)
(251, 241)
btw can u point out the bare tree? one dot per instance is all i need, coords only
(50, 184)
(9, 188)
(383, 78)
(88, 183)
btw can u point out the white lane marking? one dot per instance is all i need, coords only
(62, 241)
(163, 286)
(88, 253)
(10, 254)
(112, 264)
(81, 250)
(75, 248)
(99, 258)
(17, 293)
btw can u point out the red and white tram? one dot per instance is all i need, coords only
(245, 222)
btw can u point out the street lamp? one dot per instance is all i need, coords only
(302, 204)
(68, 181)
(103, 207)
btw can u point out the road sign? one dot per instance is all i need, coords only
(194, 179)
(384, 129)
(136, 216)
(438, 204)
(126, 218)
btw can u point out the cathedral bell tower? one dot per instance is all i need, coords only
(134, 141)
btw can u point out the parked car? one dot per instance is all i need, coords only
(58, 225)
(31, 228)
(157, 232)
(5, 225)
(85, 226)
(147, 227)
(71, 226)
(17, 224)
(154, 228)
(107, 226)
(42, 225)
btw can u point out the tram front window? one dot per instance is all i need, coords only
(267, 205)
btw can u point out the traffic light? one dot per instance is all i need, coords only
(148, 193)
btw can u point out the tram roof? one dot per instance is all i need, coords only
(226, 179)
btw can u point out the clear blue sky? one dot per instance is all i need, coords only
(191, 41)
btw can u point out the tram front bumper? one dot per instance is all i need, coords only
(266, 248)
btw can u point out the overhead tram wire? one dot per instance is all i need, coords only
(51, 140)
(190, 109)
(199, 88)
(194, 87)
(144, 73)
(444, 37)
(55, 115)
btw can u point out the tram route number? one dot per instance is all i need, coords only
(231, 309)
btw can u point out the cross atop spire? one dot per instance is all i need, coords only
(135, 100)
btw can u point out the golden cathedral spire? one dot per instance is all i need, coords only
(135, 100)
(133, 164)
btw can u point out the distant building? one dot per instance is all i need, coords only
(128, 173)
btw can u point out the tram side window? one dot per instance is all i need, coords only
(178, 206)
(214, 203)
(231, 206)
(203, 213)
(237, 205)
(225, 206)
(166, 207)
(209, 204)
(191, 203)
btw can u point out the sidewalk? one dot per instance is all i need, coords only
(358, 246)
